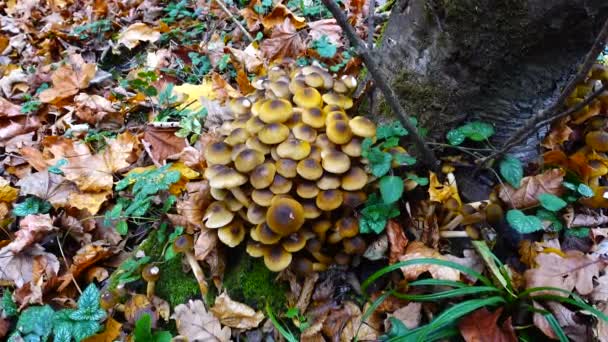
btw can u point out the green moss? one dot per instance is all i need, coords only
(250, 282)
(175, 285)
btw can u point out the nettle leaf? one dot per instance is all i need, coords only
(511, 170)
(585, 190)
(379, 161)
(477, 130)
(523, 223)
(391, 189)
(31, 206)
(324, 47)
(551, 202)
(546, 215)
(36, 320)
(455, 137)
(394, 129)
(8, 304)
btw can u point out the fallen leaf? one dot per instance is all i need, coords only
(417, 250)
(32, 228)
(482, 326)
(377, 249)
(279, 14)
(576, 162)
(234, 314)
(600, 292)
(196, 324)
(442, 192)
(16, 126)
(410, 315)
(368, 330)
(48, 186)
(136, 33)
(92, 108)
(577, 219)
(34, 157)
(86, 257)
(7, 193)
(5, 325)
(194, 93)
(328, 28)
(559, 134)
(89, 201)
(283, 42)
(19, 267)
(601, 330)
(549, 182)
(195, 202)
(68, 80)
(110, 333)
(8, 109)
(163, 143)
(577, 332)
(397, 241)
(251, 57)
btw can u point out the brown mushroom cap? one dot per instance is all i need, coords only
(304, 132)
(240, 196)
(324, 143)
(352, 148)
(275, 111)
(276, 258)
(307, 98)
(362, 126)
(227, 178)
(254, 143)
(285, 216)
(240, 106)
(336, 116)
(183, 243)
(328, 181)
(297, 83)
(295, 119)
(254, 124)
(307, 189)
(348, 226)
(279, 88)
(256, 214)
(294, 149)
(218, 194)
(329, 200)
(213, 170)
(309, 169)
(262, 176)
(151, 272)
(232, 203)
(355, 245)
(218, 153)
(232, 234)
(248, 159)
(236, 150)
(338, 99)
(353, 199)
(280, 185)
(320, 228)
(293, 242)
(237, 136)
(262, 197)
(313, 117)
(217, 215)
(286, 167)
(335, 161)
(310, 209)
(334, 108)
(354, 179)
(266, 235)
(314, 80)
(255, 249)
(315, 152)
(273, 133)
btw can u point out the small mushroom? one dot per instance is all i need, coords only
(328, 181)
(275, 111)
(355, 245)
(354, 179)
(232, 234)
(276, 258)
(248, 159)
(285, 216)
(307, 189)
(335, 162)
(313, 117)
(336, 115)
(286, 167)
(314, 80)
(240, 106)
(310, 209)
(329, 200)
(339, 132)
(150, 273)
(262, 176)
(273, 133)
(304, 267)
(320, 228)
(256, 214)
(255, 144)
(353, 199)
(237, 136)
(348, 227)
(254, 124)
(304, 132)
(255, 249)
(293, 242)
(109, 301)
(363, 127)
(265, 235)
(280, 185)
(227, 178)
(218, 153)
(313, 246)
(324, 143)
(279, 89)
(494, 213)
(353, 147)
(309, 169)
(184, 244)
(342, 258)
(262, 197)
(217, 215)
(295, 149)
(338, 99)
(307, 97)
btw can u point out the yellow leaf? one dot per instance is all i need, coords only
(442, 192)
(7, 193)
(194, 92)
(136, 33)
(186, 175)
(235, 314)
(109, 334)
(91, 201)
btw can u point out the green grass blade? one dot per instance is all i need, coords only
(578, 303)
(448, 294)
(288, 335)
(559, 332)
(439, 262)
(438, 282)
(494, 265)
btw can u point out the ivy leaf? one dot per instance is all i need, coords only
(391, 189)
(8, 304)
(585, 190)
(455, 137)
(511, 170)
(551, 202)
(36, 320)
(523, 223)
(546, 215)
(324, 47)
(379, 161)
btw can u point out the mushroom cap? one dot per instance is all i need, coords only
(217, 215)
(350, 81)
(307, 97)
(248, 159)
(321, 227)
(273, 133)
(315, 152)
(266, 235)
(232, 234)
(302, 266)
(338, 99)
(232, 203)
(329, 200)
(150, 272)
(183, 243)
(280, 185)
(353, 199)
(218, 194)
(240, 196)
(307, 189)
(304, 132)
(279, 88)
(237, 136)
(348, 226)
(340, 87)
(256, 214)
(297, 83)
(313, 117)
(597, 167)
(254, 143)
(314, 80)
(236, 149)
(334, 108)
(227, 178)
(336, 115)
(257, 105)
(353, 147)
(310, 209)
(255, 249)
(362, 126)
(354, 179)
(355, 245)
(218, 153)
(262, 197)
(295, 119)
(276, 258)
(295, 149)
(328, 181)
(335, 161)
(313, 245)
(286, 167)
(254, 124)
(324, 143)
(293, 242)
(342, 258)
(213, 170)
(263, 175)
(240, 106)
(285, 216)
(309, 169)
(275, 111)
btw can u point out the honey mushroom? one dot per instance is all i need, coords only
(184, 244)
(150, 273)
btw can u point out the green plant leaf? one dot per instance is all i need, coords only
(36, 320)
(122, 227)
(546, 215)
(394, 129)
(391, 189)
(585, 190)
(397, 329)
(447, 294)
(511, 170)
(288, 335)
(423, 181)
(570, 186)
(379, 161)
(551, 202)
(455, 137)
(559, 332)
(31, 206)
(143, 327)
(581, 232)
(8, 304)
(477, 130)
(404, 159)
(523, 223)
(324, 47)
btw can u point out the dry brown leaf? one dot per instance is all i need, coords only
(526, 195)
(442, 192)
(49, 186)
(417, 250)
(368, 331)
(92, 108)
(283, 42)
(163, 142)
(5, 325)
(559, 134)
(205, 243)
(19, 267)
(397, 241)
(601, 330)
(278, 15)
(196, 324)
(7, 193)
(575, 270)
(8, 109)
(68, 80)
(326, 27)
(89, 201)
(18, 125)
(593, 219)
(377, 249)
(482, 326)
(136, 33)
(470, 260)
(86, 257)
(234, 314)
(600, 292)
(410, 315)
(110, 333)
(577, 332)
(34, 157)
(251, 57)
(243, 81)
(32, 228)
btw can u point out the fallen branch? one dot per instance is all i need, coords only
(427, 155)
(235, 20)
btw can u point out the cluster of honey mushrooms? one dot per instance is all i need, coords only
(287, 173)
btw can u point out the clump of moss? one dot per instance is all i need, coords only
(174, 285)
(250, 282)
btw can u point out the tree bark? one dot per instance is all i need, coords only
(499, 61)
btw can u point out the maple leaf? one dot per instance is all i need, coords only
(32, 228)
(251, 57)
(89, 201)
(279, 14)
(19, 267)
(549, 182)
(283, 42)
(68, 80)
(136, 33)
(417, 250)
(328, 28)
(195, 323)
(48, 186)
(92, 108)
(234, 314)
(482, 326)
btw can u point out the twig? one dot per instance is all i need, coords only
(428, 157)
(549, 114)
(235, 20)
(65, 260)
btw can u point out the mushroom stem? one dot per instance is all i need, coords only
(453, 223)
(449, 234)
(150, 289)
(198, 272)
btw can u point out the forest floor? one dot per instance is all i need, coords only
(148, 176)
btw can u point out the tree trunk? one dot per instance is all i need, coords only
(499, 61)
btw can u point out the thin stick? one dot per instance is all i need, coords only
(235, 20)
(428, 157)
(65, 260)
(549, 114)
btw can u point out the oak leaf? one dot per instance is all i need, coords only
(19, 267)
(417, 250)
(89, 201)
(482, 326)
(549, 182)
(234, 314)
(86, 257)
(283, 42)
(136, 33)
(195, 323)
